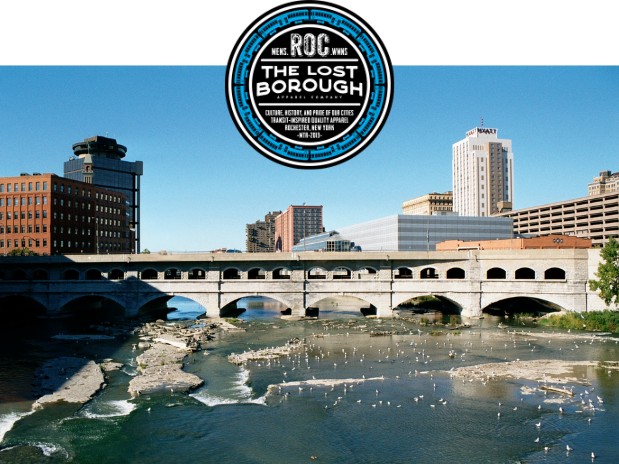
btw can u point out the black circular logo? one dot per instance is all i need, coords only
(309, 84)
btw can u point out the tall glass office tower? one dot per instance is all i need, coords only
(98, 161)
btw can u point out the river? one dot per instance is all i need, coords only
(346, 396)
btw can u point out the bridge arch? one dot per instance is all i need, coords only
(93, 274)
(116, 274)
(231, 273)
(317, 272)
(19, 274)
(196, 273)
(496, 273)
(525, 273)
(281, 273)
(172, 273)
(353, 305)
(40, 274)
(93, 307)
(21, 307)
(256, 273)
(403, 273)
(230, 306)
(367, 272)
(428, 273)
(554, 273)
(524, 304)
(341, 273)
(442, 303)
(149, 274)
(71, 274)
(455, 273)
(154, 303)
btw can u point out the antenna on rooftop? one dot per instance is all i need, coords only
(481, 121)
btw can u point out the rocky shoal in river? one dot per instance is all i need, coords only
(68, 379)
(160, 367)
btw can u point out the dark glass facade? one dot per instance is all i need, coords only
(98, 161)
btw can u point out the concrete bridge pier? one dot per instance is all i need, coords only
(384, 312)
(212, 304)
(472, 309)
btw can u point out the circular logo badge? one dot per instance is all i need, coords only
(309, 84)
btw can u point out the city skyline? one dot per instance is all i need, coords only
(562, 122)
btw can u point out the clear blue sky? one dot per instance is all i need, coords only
(202, 182)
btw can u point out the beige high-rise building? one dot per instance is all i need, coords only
(260, 236)
(606, 182)
(432, 203)
(483, 173)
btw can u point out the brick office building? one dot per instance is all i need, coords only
(296, 223)
(49, 215)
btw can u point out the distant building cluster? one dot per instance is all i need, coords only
(478, 213)
(281, 231)
(94, 208)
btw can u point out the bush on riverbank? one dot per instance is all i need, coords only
(596, 321)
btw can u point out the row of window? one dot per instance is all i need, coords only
(23, 214)
(23, 243)
(283, 273)
(86, 193)
(25, 186)
(23, 229)
(29, 201)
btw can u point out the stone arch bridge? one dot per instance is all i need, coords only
(472, 280)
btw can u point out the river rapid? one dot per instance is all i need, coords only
(357, 390)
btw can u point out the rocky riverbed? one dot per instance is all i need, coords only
(162, 349)
(160, 366)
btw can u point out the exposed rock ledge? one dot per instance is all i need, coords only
(161, 369)
(541, 370)
(69, 379)
(266, 353)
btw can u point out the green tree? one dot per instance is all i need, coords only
(607, 283)
(22, 252)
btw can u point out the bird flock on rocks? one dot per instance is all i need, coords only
(417, 351)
